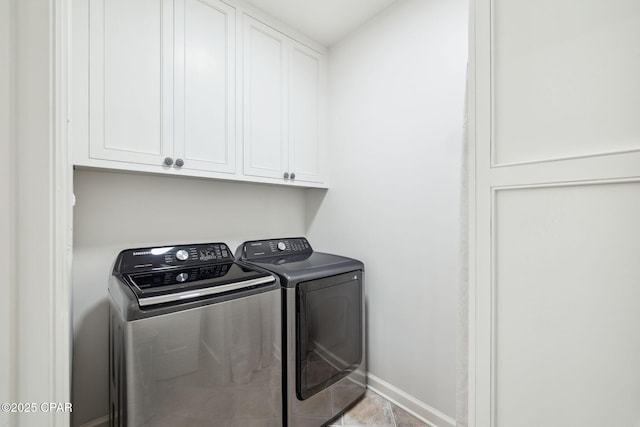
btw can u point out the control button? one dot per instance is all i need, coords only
(282, 246)
(182, 255)
(182, 277)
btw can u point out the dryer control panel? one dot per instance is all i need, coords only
(144, 259)
(259, 249)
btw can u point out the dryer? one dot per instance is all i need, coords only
(323, 328)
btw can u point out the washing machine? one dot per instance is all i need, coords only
(195, 339)
(323, 328)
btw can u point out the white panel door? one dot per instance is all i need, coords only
(305, 79)
(205, 85)
(131, 69)
(554, 334)
(265, 100)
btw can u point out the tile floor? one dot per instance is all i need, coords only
(375, 411)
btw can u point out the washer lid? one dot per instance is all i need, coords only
(197, 281)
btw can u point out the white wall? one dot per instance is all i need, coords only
(116, 211)
(396, 113)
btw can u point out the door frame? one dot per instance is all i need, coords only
(39, 209)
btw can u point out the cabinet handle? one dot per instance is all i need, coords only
(293, 175)
(168, 161)
(286, 175)
(179, 163)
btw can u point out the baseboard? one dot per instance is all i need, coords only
(409, 403)
(98, 422)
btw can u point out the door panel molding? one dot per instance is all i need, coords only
(556, 302)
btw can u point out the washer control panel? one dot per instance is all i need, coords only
(258, 249)
(143, 259)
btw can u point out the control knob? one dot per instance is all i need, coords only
(282, 246)
(182, 277)
(182, 255)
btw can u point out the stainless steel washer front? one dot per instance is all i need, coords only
(212, 357)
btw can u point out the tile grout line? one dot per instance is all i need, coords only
(393, 416)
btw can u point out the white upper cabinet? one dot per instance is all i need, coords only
(305, 113)
(131, 73)
(265, 100)
(162, 88)
(196, 88)
(282, 105)
(205, 85)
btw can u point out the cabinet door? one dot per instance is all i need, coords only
(205, 85)
(265, 100)
(130, 91)
(305, 113)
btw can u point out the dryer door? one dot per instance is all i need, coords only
(329, 331)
